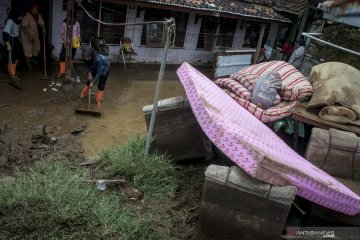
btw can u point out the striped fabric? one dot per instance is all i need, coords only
(294, 85)
(282, 110)
(234, 87)
(248, 80)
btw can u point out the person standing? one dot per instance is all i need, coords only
(297, 57)
(286, 48)
(11, 38)
(75, 43)
(29, 34)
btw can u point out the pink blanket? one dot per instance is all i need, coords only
(256, 148)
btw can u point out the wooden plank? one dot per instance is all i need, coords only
(312, 118)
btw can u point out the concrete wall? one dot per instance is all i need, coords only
(187, 53)
(4, 7)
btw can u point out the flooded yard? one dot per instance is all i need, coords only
(41, 103)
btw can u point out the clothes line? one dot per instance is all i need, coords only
(115, 24)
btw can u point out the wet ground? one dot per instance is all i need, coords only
(125, 94)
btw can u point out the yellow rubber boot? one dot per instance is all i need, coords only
(99, 97)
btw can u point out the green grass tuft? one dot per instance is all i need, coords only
(156, 177)
(52, 202)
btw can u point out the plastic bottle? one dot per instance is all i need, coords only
(101, 185)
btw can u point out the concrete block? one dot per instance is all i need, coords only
(243, 207)
(218, 174)
(176, 130)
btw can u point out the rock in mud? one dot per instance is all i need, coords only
(79, 129)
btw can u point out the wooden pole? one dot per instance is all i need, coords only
(304, 18)
(262, 30)
(98, 29)
(68, 46)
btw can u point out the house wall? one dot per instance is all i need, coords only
(4, 7)
(188, 52)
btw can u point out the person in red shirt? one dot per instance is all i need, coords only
(286, 49)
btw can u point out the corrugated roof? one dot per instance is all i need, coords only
(245, 8)
(291, 6)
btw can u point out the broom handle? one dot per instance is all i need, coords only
(89, 96)
(44, 54)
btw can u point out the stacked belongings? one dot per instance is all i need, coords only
(336, 92)
(256, 149)
(268, 90)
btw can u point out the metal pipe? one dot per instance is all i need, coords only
(331, 44)
(157, 92)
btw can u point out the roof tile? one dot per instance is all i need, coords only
(260, 9)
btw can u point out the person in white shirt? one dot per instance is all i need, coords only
(11, 38)
(297, 57)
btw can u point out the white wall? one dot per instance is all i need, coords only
(153, 55)
(4, 6)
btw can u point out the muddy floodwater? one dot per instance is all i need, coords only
(46, 102)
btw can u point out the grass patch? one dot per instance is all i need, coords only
(156, 177)
(51, 202)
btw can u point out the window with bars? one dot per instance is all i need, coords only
(110, 12)
(152, 34)
(217, 29)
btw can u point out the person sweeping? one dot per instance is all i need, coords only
(98, 67)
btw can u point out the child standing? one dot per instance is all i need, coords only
(98, 69)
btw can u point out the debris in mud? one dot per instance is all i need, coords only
(90, 161)
(133, 193)
(4, 105)
(4, 127)
(46, 137)
(37, 112)
(79, 129)
(21, 147)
